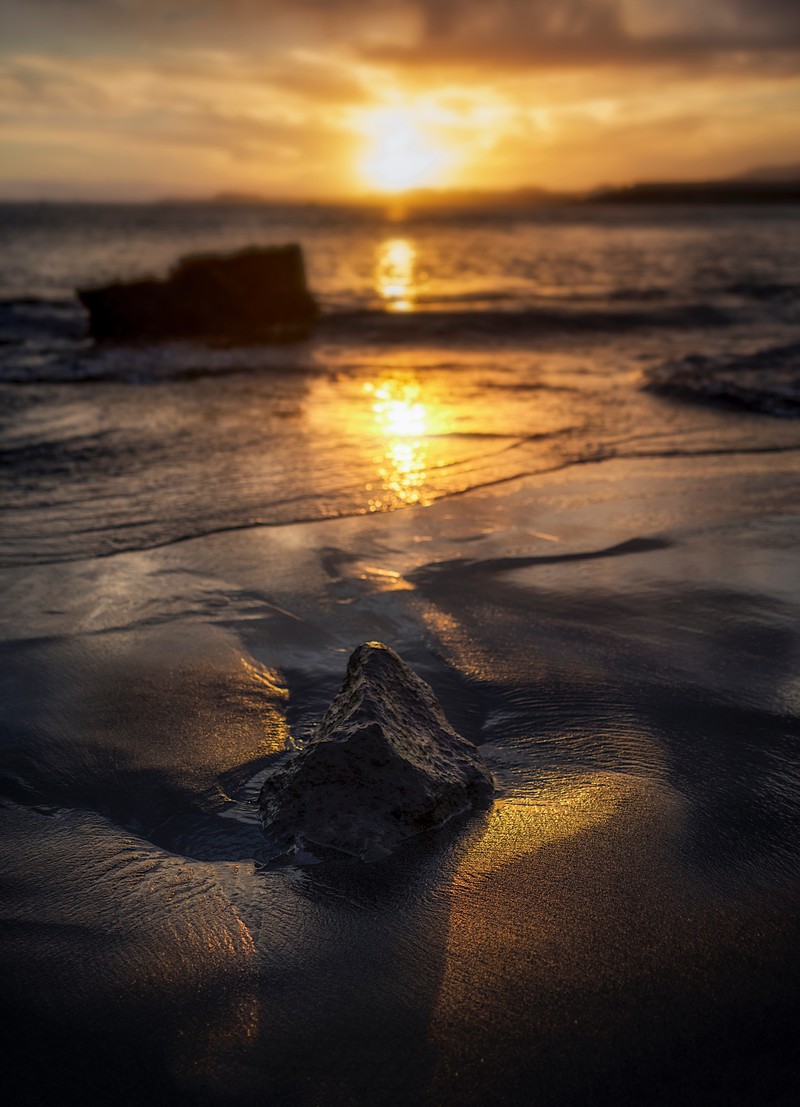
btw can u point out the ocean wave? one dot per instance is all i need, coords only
(45, 341)
(38, 317)
(766, 381)
(515, 324)
(767, 290)
(110, 539)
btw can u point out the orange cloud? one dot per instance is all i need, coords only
(277, 96)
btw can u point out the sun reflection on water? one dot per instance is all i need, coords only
(395, 274)
(403, 420)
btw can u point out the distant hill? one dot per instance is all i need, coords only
(764, 185)
(735, 191)
(772, 173)
(238, 198)
(475, 198)
(418, 198)
(757, 187)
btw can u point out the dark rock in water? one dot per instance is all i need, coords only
(383, 766)
(258, 294)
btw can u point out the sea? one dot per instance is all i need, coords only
(551, 457)
(554, 315)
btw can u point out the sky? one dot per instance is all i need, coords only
(140, 99)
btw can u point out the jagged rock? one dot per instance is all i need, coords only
(254, 295)
(383, 765)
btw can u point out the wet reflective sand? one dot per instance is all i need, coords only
(619, 928)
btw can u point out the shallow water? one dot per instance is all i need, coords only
(600, 584)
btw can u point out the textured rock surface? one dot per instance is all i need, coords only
(383, 766)
(255, 294)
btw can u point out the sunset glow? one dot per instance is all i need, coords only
(400, 153)
(302, 99)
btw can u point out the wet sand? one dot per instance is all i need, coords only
(621, 639)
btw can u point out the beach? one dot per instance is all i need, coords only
(599, 581)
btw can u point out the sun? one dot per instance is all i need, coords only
(402, 151)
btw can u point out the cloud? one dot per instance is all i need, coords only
(226, 122)
(269, 93)
(482, 33)
(544, 34)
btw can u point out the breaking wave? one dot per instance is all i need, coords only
(767, 380)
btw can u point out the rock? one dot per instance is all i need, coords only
(254, 295)
(383, 766)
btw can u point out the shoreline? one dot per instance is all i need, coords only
(602, 886)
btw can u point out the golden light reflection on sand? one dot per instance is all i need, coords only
(403, 419)
(268, 687)
(543, 918)
(218, 1051)
(518, 827)
(496, 887)
(395, 274)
